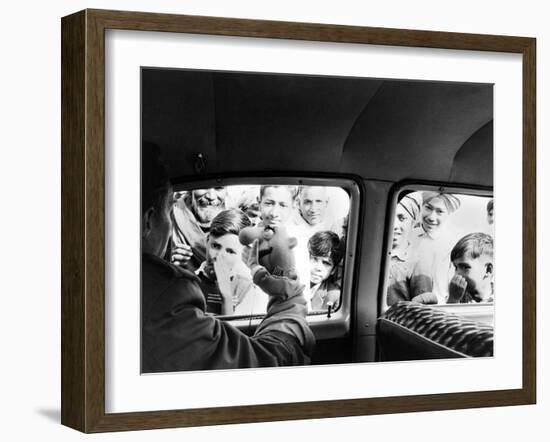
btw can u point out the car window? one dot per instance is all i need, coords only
(312, 220)
(440, 248)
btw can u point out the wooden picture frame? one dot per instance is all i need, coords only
(83, 219)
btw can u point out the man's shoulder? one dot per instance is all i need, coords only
(157, 267)
(165, 285)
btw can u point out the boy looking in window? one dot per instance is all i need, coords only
(276, 204)
(224, 277)
(408, 280)
(432, 246)
(472, 258)
(436, 208)
(325, 252)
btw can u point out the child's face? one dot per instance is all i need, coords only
(434, 214)
(401, 226)
(276, 206)
(320, 268)
(227, 245)
(478, 273)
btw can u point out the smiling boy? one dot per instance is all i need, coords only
(407, 278)
(277, 207)
(276, 204)
(436, 208)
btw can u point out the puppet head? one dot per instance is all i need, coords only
(274, 249)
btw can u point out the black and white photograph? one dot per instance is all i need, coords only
(233, 221)
(291, 220)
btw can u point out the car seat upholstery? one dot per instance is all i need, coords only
(412, 331)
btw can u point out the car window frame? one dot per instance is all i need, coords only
(323, 325)
(415, 186)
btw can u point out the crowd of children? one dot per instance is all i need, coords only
(224, 278)
(425, 265)
(428, 265)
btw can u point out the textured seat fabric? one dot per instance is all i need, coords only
(412, 331)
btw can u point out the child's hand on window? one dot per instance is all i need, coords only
(457, 289)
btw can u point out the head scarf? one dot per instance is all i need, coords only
(452, 203)
(411, 206)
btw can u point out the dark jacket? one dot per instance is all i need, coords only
(178, 335)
